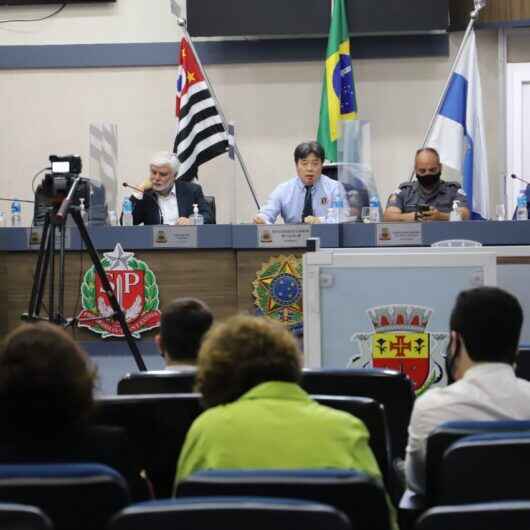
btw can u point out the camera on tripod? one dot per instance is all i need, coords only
(64, 170)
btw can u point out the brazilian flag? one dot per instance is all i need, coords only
(338, 101)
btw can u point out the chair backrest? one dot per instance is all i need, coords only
(359, 496)
(23, 517)
(456, 243)
(522, 366)
(372, 414)
(210, 199)
(230, 513)
(486, 467)
(448, 433)
(80, 496)
(393, 390)
(503, 515)
(157, 426)
(157, 382)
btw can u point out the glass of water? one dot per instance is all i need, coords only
(500, 212)
(365, 214)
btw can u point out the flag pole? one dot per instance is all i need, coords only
(183, 24)
(479, 5)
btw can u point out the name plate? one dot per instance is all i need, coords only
(34, 237)
(175, 236)
(278, 236)
(392, 234)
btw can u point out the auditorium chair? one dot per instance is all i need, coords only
(157, 382)
(210, 199)
(23, 517)
(359, 496)
(230, 513)
(486, 467)
(522, 365)
(448, 433)
(156, 425)
(393, 390)
(73, 496)
(504, 515)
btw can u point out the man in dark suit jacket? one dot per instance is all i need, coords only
(165, 200)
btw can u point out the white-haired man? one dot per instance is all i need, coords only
(165, 200)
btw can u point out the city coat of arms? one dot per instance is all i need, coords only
(399, 341)
(135, 287)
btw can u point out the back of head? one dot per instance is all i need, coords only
(490, 321)
(243, 352)
(46, 383)
(182, 327)
(305, 149)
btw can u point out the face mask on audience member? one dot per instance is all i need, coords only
(428, 181)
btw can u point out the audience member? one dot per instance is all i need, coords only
(182, 327)
(485, 328)
(259, 417)
(46, 399)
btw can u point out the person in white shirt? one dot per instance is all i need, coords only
(164, 200)
(183, 324)
(307, 197)
(485, 329)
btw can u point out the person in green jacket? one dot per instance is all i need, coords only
(258, 416)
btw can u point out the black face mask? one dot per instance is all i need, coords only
(428, 181)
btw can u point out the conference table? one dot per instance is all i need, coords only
(220, 263)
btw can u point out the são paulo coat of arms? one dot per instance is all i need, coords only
(136, 290)
(399, 341)
(278, 291)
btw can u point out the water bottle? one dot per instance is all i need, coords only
(82, 210)
(196, 218)
(113, 218)
(126, 210)
(339, 205)
(374, 209)
(16, 210)
(522, 210)
(332, 217)
(2, 219)
(455, 214)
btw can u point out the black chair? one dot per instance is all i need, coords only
(157, 426)
(230, 513)
(80, 496)
(393, 390)
(372, 414)
(210, 199)
(157, 382)
(22, 517)
(486, 467)
(507, 515)
(448, 433)
(522, 365)
(359, 496)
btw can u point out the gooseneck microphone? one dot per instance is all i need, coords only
(520, 178)
(140, 190)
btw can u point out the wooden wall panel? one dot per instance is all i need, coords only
(3, 294)
(495, 11)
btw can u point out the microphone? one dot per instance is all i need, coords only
(527, 182)
(126, 185)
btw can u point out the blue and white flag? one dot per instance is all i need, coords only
(458, 131)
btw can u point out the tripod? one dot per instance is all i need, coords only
(46, 266)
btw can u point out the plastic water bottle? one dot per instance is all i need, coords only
(126, 210)
(522, 209)
(16, 211)
(339, 206)
(2, 220)
(196, 217)
(374, 209)
(332, 217)
(113, 218)
(82, 210)
(455, 214)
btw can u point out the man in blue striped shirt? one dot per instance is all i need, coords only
(307, 197)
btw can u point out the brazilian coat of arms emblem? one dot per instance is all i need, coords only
(135, 287)
(278, 291)
(399, 341)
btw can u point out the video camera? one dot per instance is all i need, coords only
(64, 170)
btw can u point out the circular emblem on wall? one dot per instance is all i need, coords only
(278, 291)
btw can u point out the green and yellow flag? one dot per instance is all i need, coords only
(338, 101)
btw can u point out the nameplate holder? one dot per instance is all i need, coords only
(175, 236)
(34, 237)
(283, 236)
(399, 234)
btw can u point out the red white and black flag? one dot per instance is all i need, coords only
(201, 135)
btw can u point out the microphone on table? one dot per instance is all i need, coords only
(146, 188)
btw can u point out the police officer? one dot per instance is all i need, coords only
(428, 198)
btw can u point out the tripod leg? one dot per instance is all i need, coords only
(120, 315)
(51, 278)
(60, 302)
(37, 288)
